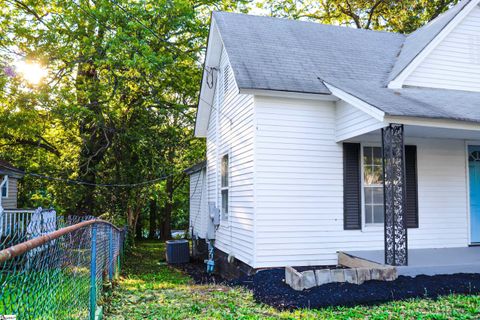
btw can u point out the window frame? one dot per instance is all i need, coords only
(368, 226)
(225, 215)
(6, 187)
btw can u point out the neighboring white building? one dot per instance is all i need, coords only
(295, 114)
(9, 176)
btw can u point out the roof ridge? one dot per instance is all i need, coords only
(256, 16)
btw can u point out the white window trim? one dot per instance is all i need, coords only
(226, 218)
(366, 227)
(7, 182)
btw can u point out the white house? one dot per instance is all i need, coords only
(295, 115)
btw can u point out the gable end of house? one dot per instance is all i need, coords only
(448, 54)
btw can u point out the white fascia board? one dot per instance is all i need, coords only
(356, 102)
(288, 94)
(400, 79)
(434, 123)
(212, 59)
(201, 121)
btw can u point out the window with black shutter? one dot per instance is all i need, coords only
(353, 184)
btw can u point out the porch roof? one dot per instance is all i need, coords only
(415, 102)
(7, 168)
(195, 168)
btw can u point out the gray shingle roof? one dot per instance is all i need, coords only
(7, 168)
(294, 56)
(417, 102)
(286, 55)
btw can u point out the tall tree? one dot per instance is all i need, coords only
(117, 105)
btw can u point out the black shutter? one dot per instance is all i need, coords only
(352, 219)
(411, 185)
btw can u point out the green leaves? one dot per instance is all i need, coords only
(116, 86)
(391, 15)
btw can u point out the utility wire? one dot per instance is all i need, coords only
(112, 29)
(105, 185)
(148, 29)
(92, 15)
(95, 18)
(139, 21)
(86, 183)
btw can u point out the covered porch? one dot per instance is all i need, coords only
(429, 262)
(416, 257)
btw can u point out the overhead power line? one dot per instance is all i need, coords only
(104, 185)
(139, 22)
(149, 29)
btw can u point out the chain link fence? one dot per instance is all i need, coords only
(58, 274)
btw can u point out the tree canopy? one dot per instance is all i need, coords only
(117, 104)
(399, 16)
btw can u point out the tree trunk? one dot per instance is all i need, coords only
(139, 228)
(166, 227)
(153, 218)
(96, 136)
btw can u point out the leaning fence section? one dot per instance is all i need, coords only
(60, 274)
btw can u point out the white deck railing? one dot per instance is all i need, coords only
(27, 223)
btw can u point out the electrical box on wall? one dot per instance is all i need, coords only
(213, 221)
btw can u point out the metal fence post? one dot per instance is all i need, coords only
(117, 272)
(93, 274)
(111, 263)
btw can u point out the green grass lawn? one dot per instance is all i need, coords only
(149, 289)
(47, 294)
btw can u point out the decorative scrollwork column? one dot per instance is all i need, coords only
(396, 251)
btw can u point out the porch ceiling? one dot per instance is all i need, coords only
(414, 131)
(430, 132)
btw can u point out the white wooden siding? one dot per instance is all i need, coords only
(10, 202)
(299, 189)
(352, 122)
(198, 204)
(442, 193)
(231, 130)
(455, 63)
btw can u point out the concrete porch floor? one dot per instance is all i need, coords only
(431, 261)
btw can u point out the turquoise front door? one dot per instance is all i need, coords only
(474, 172)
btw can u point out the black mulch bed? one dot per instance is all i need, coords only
(268, 287)
(198, 272)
